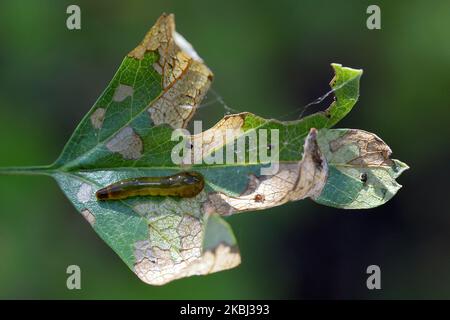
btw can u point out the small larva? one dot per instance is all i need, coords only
(183, 184)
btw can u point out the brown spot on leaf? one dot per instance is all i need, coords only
(84, 193)
(97, 118)
(88, 216)
(372, 150)
(157, 68)
(122, 92)
(333, 82)
(127, 143)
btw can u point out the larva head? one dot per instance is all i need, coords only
(102, 194)
(115, 191)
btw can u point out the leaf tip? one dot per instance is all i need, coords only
(337, 67)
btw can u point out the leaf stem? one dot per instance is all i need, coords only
(33, 170)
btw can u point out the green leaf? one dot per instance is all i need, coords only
(128, 133)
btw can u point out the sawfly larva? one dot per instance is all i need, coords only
(183, 184)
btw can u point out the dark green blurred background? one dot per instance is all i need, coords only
(271, 58)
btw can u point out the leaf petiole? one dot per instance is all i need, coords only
(32, 170)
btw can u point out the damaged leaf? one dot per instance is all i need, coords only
(128, 134)
(360, 172)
